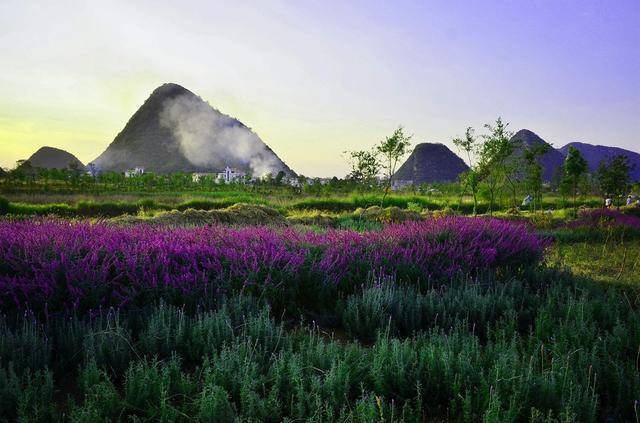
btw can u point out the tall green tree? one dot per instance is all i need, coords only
(365, 166)
(533, 171)
(469, 179)
(392, 150)
(613, 177)
(575, 166)
(494, 156)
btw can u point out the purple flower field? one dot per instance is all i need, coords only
(52, 266)
(605, 217)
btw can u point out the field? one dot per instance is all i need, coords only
(191, 307)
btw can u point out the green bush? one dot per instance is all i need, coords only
(213, 405)
(50, 209)
(545, 348)
(109, 209)
(4, 206)
(218, 203)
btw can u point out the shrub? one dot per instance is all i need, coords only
(387, 215)
(4, 206)
(110, 209)
(52, 266)
(238, 214)
(598, 225)
(60, 210)
(214, 406)
(549, 347)
(368, 312)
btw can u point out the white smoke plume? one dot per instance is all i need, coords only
(210, 139)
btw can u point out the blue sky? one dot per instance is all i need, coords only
(314, 79)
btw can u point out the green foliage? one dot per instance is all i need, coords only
(365, 166)
(392, 150)
(471, 178)
(27, 397)
(533, 171)
(340, 204)
(108, 209)
(544, 346)
(49, 209)
(4, 206)
(495, 160)
(218, 203)
(144, 206)
(213, 405)
(575, 166)
(613, 177)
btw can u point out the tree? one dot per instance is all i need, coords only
(533, 170)
(494, 154)
(74, 172)
(575, 166)
(469, 179)
(24, 171)
(365, 166)
(392, 150)
(613, 177)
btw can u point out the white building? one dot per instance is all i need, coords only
(294, 182)
(133, 172)
(231, 175)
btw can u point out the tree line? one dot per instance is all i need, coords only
(500, 171)
(499, 166)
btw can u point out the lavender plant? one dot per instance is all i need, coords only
(53, 266)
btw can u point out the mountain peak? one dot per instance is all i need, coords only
(177, 131)
(551, 161)
(49, 150)
(528, 137)
(53, 158)
(528, 132)
(431, 162)
(170, 89)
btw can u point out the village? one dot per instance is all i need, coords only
(230, 175)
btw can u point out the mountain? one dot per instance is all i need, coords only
(175, 130)
(550, 161)
(431, 162)
(54, 158)
(594, 154)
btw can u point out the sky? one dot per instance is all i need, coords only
(316, 78)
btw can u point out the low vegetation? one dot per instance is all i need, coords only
(57, 267)
(447, 318)
(540, 348)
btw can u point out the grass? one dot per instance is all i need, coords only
(607, 262)
(110, 205)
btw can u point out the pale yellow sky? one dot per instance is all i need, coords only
(316, 78)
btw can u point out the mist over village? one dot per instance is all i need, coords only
(319, 211)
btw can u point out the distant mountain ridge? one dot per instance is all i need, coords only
(54, 158)
(176, 131)
(433, 162)
(594, 154)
